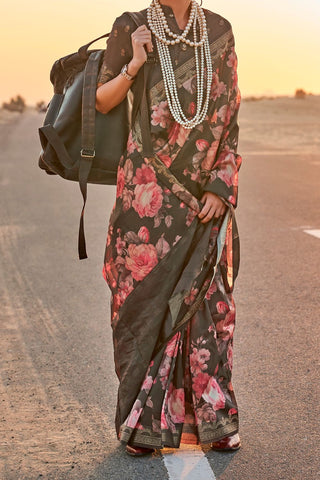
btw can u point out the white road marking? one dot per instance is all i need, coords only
(314, 233)
(187, 463)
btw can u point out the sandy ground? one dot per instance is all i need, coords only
(283, 126)
(58, 387)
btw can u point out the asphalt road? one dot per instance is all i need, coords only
(58, 388)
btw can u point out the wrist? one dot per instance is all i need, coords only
(133, 68)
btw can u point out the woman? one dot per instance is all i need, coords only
(172, 251)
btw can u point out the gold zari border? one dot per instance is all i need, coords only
(207, 433)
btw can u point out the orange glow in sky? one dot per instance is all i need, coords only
(277, 41)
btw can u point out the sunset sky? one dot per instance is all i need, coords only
(277, 41)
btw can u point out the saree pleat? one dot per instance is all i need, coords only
(171, 277)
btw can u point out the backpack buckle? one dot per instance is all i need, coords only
(87, 153)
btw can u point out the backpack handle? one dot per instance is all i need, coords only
(138, 19)
(83, 51)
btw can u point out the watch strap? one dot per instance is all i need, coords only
(125, 74)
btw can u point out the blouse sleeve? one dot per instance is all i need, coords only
(119, 49)
(223, 178)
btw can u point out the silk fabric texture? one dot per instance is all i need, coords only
(172, 277)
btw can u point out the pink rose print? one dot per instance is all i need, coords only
(214, 395)
(149, 402)
(214, 117)
(128, 170)
(199, 383)
(164, 423)
(225, 327)
(164, 371)
(191, 297)
(205, 414)
(183, 136)
(233, 411)
(176, 404)
(116, 303)
(144, 234)
(127, 196)
(192, 108)
(208, 162)
(217, 131)
(145, 174)
(232, 60)
(198, 359)
(202, 145)
(131, 145)
(120, 181)
(222, 307)
(222, 113)
(230, 387)
(176, 240)
(230, 356)
(161, 115)
(134, 415)
(111, 273)
(162, 247)
(217, 88)
(119, 261)
(147, 384)
(125, 288)
(232, 199)
(172, 346)
(190, 216)
(110, 233)
(148, 199)
(211, 291)
(141, 260)
(178, 134)
(173, 133)
(227, 174)
(195, 176)
(165, 159)
(120, 244)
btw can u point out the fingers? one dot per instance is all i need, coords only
(213, 207)
(205, 209)
(208, 216)
(212, 212)
(219, 211)
(142, 36)
(149, 47)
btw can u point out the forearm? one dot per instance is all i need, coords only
(112, 93)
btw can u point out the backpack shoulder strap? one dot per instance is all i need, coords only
(138, 18)
(88, 120)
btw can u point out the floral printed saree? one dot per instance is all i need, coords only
(171, 277)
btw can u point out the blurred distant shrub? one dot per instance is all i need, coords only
(300, 93)
(41, 106)
(257, 99)
(16, 104)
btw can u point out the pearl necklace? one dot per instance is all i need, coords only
(159, 27)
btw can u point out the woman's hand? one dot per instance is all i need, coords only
(213, 206)
(141, 44)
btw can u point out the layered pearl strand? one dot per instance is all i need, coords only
(159, 27)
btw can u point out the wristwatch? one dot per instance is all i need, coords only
(125, 74)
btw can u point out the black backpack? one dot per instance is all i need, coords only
(78, 142)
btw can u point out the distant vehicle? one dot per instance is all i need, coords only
(16, 104)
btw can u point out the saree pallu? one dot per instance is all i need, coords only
(171, 276)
